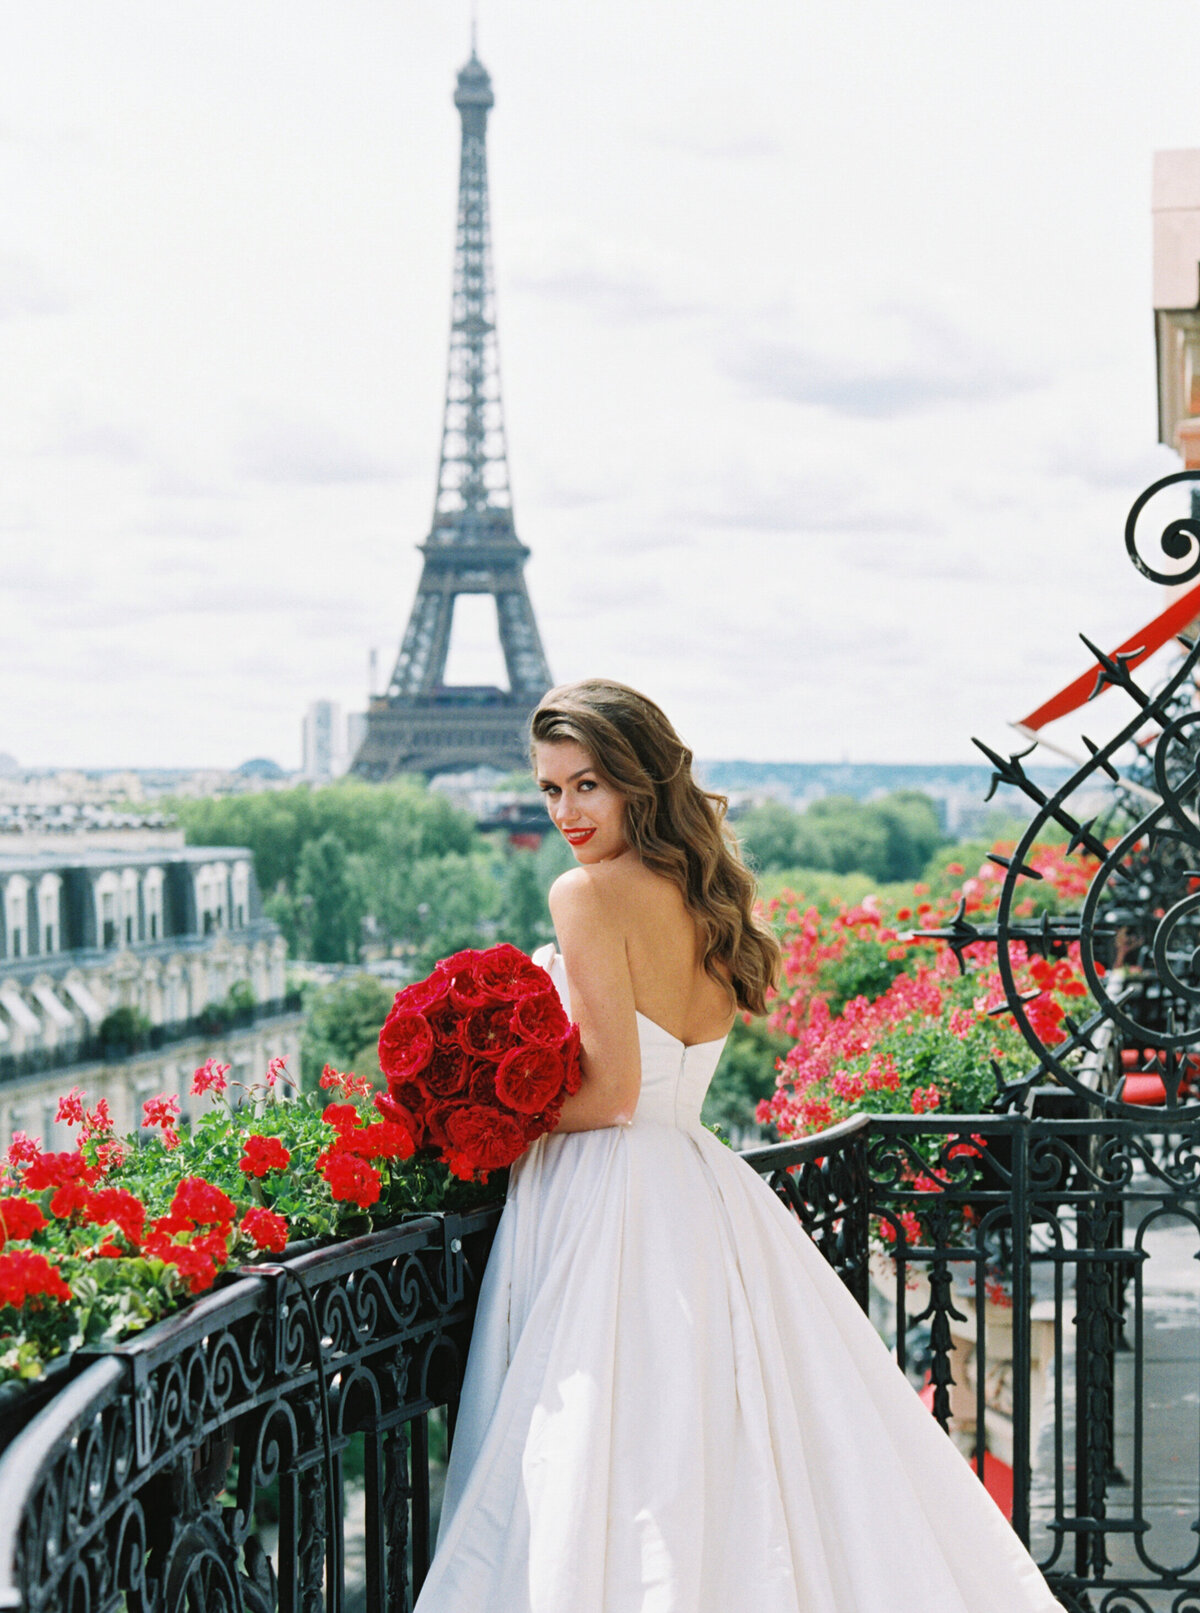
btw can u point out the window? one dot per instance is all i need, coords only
(152, 902)
(129, 905)
(241, 895)
(108, 918)
(16, 916)
(49, 888)
(210, 897)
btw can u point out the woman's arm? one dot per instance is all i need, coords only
(592, 939)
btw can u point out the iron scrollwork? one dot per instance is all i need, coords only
(137, 1485)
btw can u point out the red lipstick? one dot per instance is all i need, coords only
(578, 837)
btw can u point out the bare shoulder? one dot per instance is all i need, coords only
(582, 889)
(592, 890)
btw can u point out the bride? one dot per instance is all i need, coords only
(672, 1404)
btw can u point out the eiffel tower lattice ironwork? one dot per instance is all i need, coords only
(422, 724)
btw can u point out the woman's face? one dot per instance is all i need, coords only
(586, 811)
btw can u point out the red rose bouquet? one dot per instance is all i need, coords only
(478, 1059)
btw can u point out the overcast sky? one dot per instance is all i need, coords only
(827, 352)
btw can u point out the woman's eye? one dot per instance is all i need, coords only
(587, 784)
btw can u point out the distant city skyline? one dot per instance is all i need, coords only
(827, 350)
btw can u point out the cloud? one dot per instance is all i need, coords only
(713, 146)
(26, 291)
(303, 452)
(936, 363)
(613, 295)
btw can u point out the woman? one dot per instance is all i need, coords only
(671, 1404)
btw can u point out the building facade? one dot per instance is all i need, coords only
(175, 937)
(1176, 208)
(323, 742)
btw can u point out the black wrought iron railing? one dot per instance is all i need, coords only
(202, 1465)
(211, 1022)
(1043, 1296)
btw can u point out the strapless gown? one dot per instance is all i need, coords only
(672, 1404)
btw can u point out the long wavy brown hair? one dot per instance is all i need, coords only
(676, 828)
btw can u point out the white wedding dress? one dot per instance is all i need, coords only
(673, 1405)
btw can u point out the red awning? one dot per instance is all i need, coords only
(1152, 637)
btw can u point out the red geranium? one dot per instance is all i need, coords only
(25, 1275)
(351, 1178)
(266, 1229)
(263, 1154)
(116, 1206)
(56, 1170)
(19, 1218)
(203, 1204)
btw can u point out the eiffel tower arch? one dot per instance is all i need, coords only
(421, 724)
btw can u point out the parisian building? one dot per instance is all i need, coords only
(173, 935)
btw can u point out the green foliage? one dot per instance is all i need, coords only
(866, 968)
(889, 839)
(343, 1021)
(124, 1028)
(240, 999)
(400, 821)
(331, 906)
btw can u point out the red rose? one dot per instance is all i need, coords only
(486, 1032)
(422, 994)
(466, 989)
(405, 1044)
(443, 1021)
(485, 1136)
(505, 974)
(408, 1095)
(529, 1078)
(400, 1115)
(446, 1073)
(541, 1019)
(481, 1087)
(538, 1125)
(436, 1117)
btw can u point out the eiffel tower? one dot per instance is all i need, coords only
(422, 724)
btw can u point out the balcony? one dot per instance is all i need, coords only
(93, 1049)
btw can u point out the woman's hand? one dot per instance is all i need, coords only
(586, 912)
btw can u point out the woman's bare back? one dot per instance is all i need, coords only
(664, 947)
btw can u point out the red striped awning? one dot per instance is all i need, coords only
(1139, 647)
